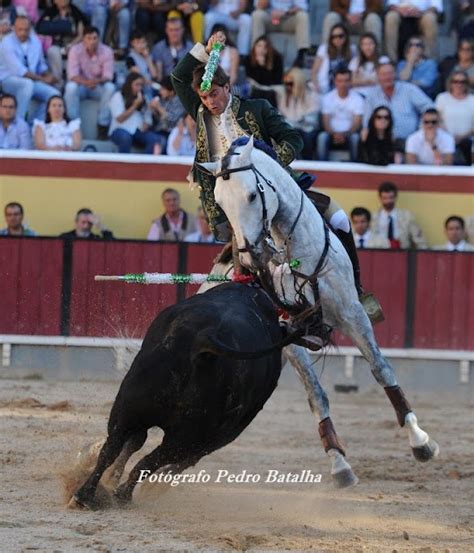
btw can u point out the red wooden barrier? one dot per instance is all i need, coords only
(384, 273)
(30, 286)
(114, 308)
(444, 306)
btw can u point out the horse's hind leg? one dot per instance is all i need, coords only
(318, 401)
(133, 444)
(84, 497)
(358, 327)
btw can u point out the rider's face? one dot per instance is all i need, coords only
(216, 99)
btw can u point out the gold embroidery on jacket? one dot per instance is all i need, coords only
(252, 124)
(285, 152)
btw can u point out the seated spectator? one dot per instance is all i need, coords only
(204, 234)
(16, 226)
(456, 109)
(431, 145)
(139, 60)
(65, 23)
(167, 109)
(264, 69)
(102, 12)
(455, 230)
(175, 224)
(23, 69)
(337, 52)
(171, 49)
(283, 16)
(405, 100)
(299, 104)
(57, 132)
(416, 68)
(131, 118)
(192, 13)
(406, 18)
(363, 236)
(90, 73)
(14, 132)
(233, 14)
(182, 139)
(397, 225)
(84, 221)
(342, 111)
(462, 61)
(363, 66)
(377, 147)
(230, 59)
(357, 15)
(150, 17)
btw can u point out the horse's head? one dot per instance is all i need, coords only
(248, 199)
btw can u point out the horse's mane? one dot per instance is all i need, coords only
(242, 141)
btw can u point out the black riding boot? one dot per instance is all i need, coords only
(347, 240)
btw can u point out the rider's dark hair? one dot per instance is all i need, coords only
(357, 211)
(220, 77)
(456, 218)
(388, 186)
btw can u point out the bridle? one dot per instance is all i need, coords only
(260, 181)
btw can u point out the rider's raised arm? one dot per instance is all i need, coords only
(182, 77)
(288, 142)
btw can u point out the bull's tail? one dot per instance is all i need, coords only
(207, 342)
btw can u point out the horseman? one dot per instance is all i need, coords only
(221, 118)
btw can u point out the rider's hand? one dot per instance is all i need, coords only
(216, 37)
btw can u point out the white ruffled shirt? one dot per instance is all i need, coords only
(58, 134)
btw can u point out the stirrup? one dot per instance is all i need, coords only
(372, 307)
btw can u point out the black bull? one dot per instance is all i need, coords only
(188, 380)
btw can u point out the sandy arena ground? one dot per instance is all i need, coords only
(399, 504)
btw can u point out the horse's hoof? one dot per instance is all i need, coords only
(80, 504)
(122, 499)
(426, 452)
(345, 478)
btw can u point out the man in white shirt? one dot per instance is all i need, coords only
(342, 110)
(363, 236)
(406, 18)
(284, 16)
(397, 225)
(455, 230)
(431, 145)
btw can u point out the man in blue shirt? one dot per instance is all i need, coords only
(23, 69)
(406, 101)
(14, 133)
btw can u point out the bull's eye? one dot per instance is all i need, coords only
(252, 197)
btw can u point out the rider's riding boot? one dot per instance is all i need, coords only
(368, 301)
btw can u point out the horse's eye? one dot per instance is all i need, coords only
(252, 197)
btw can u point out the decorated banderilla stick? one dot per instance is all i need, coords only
(172, 278)
(211, 67)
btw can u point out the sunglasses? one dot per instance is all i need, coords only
(386, 117)
(430, 122)
(459, 81)
(342, 35)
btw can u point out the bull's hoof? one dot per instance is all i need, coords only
(344, 478)
(426, 452)
(122, 498)
(82, 504)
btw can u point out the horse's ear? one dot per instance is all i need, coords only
(211, 167)
(245, 153)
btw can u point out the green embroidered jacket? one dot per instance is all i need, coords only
(256, 117)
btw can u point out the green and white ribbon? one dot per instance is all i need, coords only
(164, 278)
(211, 67)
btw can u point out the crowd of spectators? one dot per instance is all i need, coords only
(389, 227)
(374, 86)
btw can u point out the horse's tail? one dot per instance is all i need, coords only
(207, 342)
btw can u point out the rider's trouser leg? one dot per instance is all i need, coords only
(347, 240)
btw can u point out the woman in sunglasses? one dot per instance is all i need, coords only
(338, 51)
(378, 148)
(430, 145)
(456, 109)
(416, 68)
(462, 61)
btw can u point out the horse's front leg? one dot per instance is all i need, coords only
(341, 470)
(357, 326)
